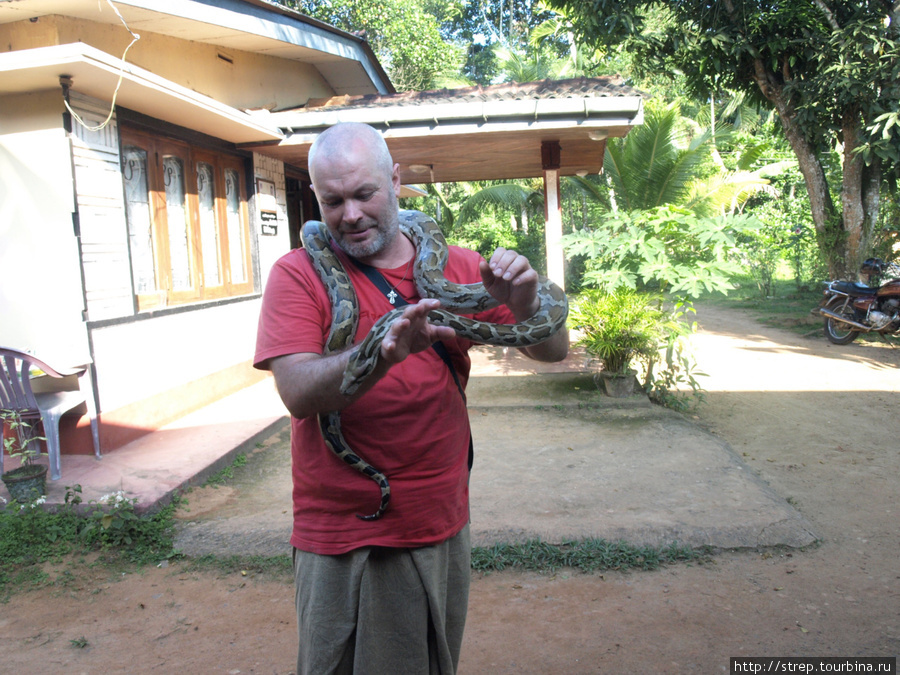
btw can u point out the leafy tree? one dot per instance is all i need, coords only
(483, 25)
(485, 215)
(830, 69)
(403, 34)
(515, 197)
(530, 65)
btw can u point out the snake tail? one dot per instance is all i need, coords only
(330, 425)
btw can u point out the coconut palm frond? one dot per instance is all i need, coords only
(751, 155)
(614, 164)
(725, 193)
(590, 188)
(510, 196)
(657, 160)
(776, 168)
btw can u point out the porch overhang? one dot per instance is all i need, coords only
(95, 73)
(344, 60)
(455, 140)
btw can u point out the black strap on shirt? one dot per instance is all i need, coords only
(382, 285)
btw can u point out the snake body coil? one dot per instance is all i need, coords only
(431, 258)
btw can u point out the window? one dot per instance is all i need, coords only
(187, 221)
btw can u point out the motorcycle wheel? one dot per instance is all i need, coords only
(838, 332)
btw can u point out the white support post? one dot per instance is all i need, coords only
(556, 270)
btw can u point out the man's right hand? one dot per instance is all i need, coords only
(412, 332)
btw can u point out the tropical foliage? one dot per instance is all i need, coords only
(403, 34)
(671, 224)
(666, 248)
(618, 327)
(625, 329)
(829, 69)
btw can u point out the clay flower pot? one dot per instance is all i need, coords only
(26, 483)
(616, 385)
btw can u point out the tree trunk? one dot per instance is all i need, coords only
(860, 194)
(851, 191)
(828, 222)
(871, 199)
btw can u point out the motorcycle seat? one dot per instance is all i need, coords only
(853, 288)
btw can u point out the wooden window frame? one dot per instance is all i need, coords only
(157, 147)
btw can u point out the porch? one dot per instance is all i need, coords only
(155, 467)
(159, 465)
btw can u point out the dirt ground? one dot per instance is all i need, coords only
(814, 420)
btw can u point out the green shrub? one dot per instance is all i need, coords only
(619, 327)
(627, 329)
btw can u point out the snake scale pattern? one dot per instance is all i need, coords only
(428, 272)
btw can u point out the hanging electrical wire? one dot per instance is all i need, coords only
(112, 107)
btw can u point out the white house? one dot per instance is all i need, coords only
(153, 168)
(134, 232)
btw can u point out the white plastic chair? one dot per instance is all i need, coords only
(16, 394)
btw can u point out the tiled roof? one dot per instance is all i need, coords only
(578, 87)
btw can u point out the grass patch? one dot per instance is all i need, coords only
(33, 537)
(276, 568)
(224, 475)
(587, 555)
(788, 307)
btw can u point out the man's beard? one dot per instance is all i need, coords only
(384, 235)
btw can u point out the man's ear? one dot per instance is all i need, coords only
(395, 179)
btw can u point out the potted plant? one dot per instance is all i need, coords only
(29, 480)
(618, 328)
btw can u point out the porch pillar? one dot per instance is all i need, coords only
(550, 153)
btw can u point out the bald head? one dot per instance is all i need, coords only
(349, 140)
(357, 185)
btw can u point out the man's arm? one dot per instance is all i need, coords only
(309, 384)
(509, 277)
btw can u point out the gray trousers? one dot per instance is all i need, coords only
(381, 611)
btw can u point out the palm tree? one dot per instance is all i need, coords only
(666, 161)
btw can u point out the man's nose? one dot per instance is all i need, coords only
(352, 211)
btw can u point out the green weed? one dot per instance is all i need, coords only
(274, 568)
(224, 475)
(587, 555)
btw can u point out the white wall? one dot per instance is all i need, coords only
(41, 296)
(139, 359)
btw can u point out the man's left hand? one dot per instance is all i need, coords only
(509, 278)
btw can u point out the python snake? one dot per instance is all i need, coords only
(431, 258)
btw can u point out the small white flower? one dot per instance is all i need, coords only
(116, 499)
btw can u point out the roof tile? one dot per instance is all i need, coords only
(578, 87)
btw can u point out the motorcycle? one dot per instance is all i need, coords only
(870, 306)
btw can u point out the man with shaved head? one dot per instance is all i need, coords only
(386, 595)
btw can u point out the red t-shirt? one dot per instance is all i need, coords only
(412, 425)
